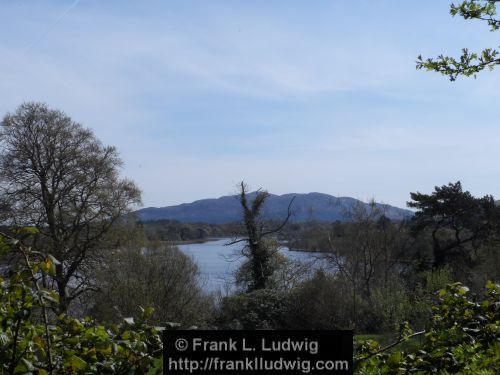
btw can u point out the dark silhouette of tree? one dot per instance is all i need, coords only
(57, 176)
(457, 221)
(469, 63)
(257, 249)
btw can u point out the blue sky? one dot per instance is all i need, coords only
(290, 96)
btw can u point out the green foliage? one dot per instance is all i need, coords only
(464, 337)
(388, 306)
(258, 251)
(34, 341)
(162, 277)
(81, 346)
(482, 10)
(260, 309)
(456, 221)
(284, 273)
(421, 299)
(469, 63)
(322, 302)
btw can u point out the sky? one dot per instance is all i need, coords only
(289, 96)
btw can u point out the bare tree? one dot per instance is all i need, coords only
(257, 249)
(57, 176)
(369, 251)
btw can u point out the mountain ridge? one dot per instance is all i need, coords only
(306, 207)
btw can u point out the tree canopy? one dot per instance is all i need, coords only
(455, 219)
(56, 175)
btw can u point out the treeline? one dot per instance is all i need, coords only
(380, 272)
(376, 273)
(301, 236)
(175, 231)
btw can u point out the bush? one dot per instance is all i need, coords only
(163, 278)
(322, 302)
(33, 340)
(388, 306)
(260, 309)
(463, 337)
(428, 283)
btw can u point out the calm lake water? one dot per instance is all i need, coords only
(218, 262)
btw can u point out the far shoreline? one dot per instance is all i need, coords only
(213, 239)
(198, 241)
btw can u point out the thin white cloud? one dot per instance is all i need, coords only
(282, 63)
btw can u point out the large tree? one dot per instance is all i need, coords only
(56, 175)
(258, 250)
(457, 221)
(469, 63)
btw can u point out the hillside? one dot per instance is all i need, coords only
(306, 207)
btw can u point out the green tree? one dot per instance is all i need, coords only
(257, 250)
(286, 273)
(456, 220)
(57, 176)
(469, 63)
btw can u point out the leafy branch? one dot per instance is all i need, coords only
(463, 337)
(468, 63)
(62, 345)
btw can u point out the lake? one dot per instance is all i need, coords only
(218, 262)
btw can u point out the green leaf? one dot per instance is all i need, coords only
(394, 359)
(24, 366)
(76, 363)
(148, 311)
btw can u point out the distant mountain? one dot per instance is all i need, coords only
(312, 206)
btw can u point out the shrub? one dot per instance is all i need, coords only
(388, 306)
(322, 302)
(260, 309)
(428, 283)
(163, 278)
(464, 337)
(33, 340)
